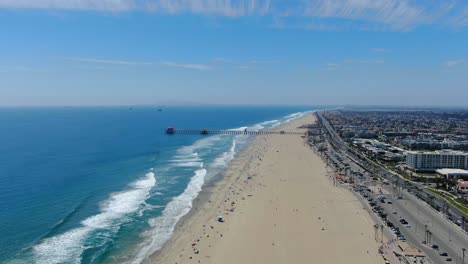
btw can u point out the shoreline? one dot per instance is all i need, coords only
(204, 198)
(234, 195)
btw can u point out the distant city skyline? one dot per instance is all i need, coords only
(312, 52)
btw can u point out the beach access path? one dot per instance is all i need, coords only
(278, 206)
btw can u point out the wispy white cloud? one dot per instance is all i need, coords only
(381, 50)
(221, 62)
(399, 13)
(316, 14)
(323, 27)
(215, 7)
(336, 65)
(461, 18)
(454, 63)
(215, 63)
(98, 5)
(332, 65)
(245, 67)
(371, 15)
(231, 8)
(192, 66)
(113, 62)
(201, 67)
(21, 68)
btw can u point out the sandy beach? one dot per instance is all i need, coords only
(279, 206)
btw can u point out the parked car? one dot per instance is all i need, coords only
(435, 246)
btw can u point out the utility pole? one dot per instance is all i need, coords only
(376, 228)
(425, 234)
(429, 234)
(381, 233)
(426, 238)
(463, 255)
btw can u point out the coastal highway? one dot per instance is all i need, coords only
(418, 214)
(447, 235)
(412, 238)
(424, 193)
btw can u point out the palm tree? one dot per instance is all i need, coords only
(451, 183)
(464, 220)
(322, 148)
(440, 182)
(446, 208)
(431, 199)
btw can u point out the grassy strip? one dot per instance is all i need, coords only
(450, 200)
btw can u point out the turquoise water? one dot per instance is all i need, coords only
(106, 185)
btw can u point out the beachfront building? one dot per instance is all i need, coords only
(426, 144)
(453, 173)
(433, 160)
(410, 254)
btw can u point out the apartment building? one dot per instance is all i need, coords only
(430, 161)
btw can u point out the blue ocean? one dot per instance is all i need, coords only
(106, 184)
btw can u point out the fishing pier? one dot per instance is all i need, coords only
(171, 131)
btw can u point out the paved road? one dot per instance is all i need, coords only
(418, 213)
(343, 148)
(448, 237)
(411, 238)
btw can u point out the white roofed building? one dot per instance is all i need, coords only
(433, 160)
(453, 173)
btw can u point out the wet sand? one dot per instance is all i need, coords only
(278, 206)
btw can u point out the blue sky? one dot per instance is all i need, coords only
(126, 52)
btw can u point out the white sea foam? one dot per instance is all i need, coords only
(189, 164)
(68, 247)
(202, 143)
(269, 122)
(239, 128)
(291, 117)
(294, 115)
(256, 127)
(163, 226)
(223, 160)
(275, 124)
(186, 156)
(185, 160)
